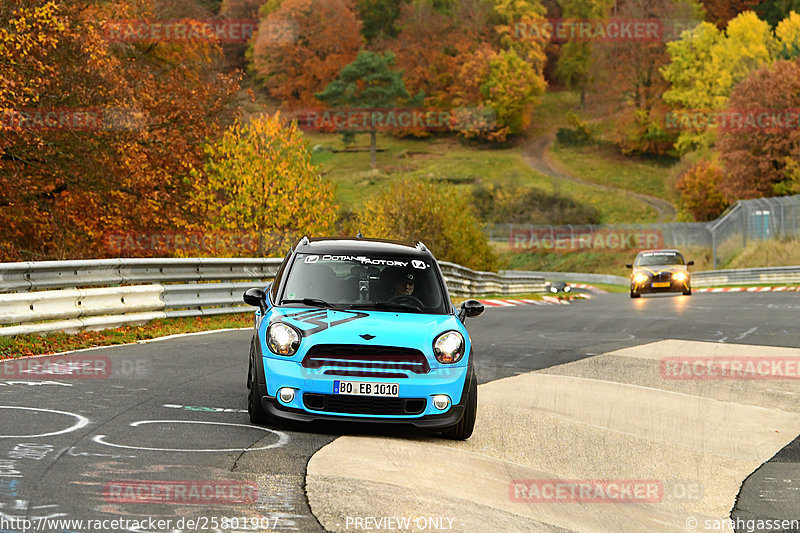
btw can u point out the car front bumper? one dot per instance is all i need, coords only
(451, 381)
(674, 286)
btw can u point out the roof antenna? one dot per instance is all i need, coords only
(359, 236)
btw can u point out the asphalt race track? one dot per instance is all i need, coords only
(569, 392)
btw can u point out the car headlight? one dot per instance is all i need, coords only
(283, 339)
(448, 347)
(679, 276)
(640, 278)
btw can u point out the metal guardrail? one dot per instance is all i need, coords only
(706, 278)
(45, 275)
(38, 297)
(746, 276)
(74, 295)
(578, 277)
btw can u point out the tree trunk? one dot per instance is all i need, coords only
(373, 149)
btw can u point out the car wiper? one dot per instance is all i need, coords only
(309, 301)
(386, 305)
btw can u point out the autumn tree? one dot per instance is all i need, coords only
(367, 82)
(774, 11)
(707, 63)
(431, 48)
(112, 160)
(301, 47)
(720, 12)
(760, 154)
(439, 215)
(700, 194)
(628, 78)
(258, 178)
(573, 67)
(379, 18)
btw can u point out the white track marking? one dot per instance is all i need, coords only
(282, 437)
(82, 422)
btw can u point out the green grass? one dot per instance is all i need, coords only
(600, 165)
(448, 160)
(23, 345)
(552, 112)
(443, 159)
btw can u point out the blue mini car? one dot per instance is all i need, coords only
(362, 330)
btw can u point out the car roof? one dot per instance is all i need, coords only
(348, 246)
(660, 250)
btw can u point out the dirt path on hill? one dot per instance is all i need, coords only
(535, 154)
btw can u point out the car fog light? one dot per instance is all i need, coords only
(286, 394)
(441, 402)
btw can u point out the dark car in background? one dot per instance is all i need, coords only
(656, 271)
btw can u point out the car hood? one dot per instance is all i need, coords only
(656, 269)
(378, 328)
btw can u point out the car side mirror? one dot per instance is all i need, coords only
(629, 265)
(256, 297)
(690, 263)
(470, 309)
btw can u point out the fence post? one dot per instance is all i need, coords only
(713, 248)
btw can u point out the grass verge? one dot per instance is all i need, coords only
(446, 159)
(24, 345)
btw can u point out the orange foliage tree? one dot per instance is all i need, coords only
(760, 153)
(699, 189)
(125, 125)
(301, 47)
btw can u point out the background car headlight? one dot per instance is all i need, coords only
(283, 339)
(640, 278)
(448, 347)
(679, 276)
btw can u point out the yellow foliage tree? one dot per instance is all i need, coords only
(438, 215)
(259, 180)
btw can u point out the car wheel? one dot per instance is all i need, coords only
(254, 408)
(635, 294)
(687, 292)
(463, 430)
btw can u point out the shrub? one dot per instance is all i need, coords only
(441, 216)
(700, 195)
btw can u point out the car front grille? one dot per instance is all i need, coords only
(662, 276)
(364, 405)
(377, 359)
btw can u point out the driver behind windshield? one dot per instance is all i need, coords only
(404, 284)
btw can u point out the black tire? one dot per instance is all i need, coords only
(635, 294)
(687, 293)
(254, 408)
(463, 430)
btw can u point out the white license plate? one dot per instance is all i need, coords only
(362, 388)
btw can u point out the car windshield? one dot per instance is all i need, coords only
(379, 282)
(659, 258)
